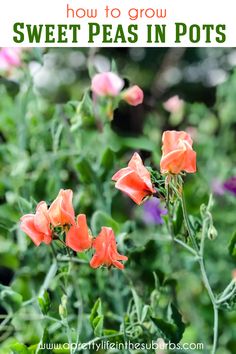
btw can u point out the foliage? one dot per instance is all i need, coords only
(52, 137)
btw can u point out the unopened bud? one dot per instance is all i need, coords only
(212, 232)
(62, 307)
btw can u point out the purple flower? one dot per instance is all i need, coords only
(153, 211)
(217, 187)
(230, 185)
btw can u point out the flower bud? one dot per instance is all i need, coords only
(212, 232)
(133, 96)
(62, 307)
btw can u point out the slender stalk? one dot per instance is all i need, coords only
(70, 259)
(188, 248)
(88, 344)
(188, 226)
(226, 297)
(203, 269)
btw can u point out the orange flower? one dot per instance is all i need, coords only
(106, 250)
(78, 237)
(61, 211)
(134, 180)
(37, 226)
(177, 153)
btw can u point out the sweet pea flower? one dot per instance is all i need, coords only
(133, 96)
(177, 153)
(217, 187)
(153, 212)
(37, 226)
(134, 180)
(78, 238)
(106, 250)
(107, 84)
(173, 104)
(230, 185)
(61, 211)
(10, 57)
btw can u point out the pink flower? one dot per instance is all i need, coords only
(133, 96)
(107, 84)
(37, 226)
(173, 104)
(78, 237)
(10, 57)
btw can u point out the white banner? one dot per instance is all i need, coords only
(113, 23)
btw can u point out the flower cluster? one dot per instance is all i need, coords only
(108, 84)
(41, 228)
(177, 156)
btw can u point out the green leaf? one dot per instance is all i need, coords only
(178, 222)
(107, 160)
(10, 300)
(114, 67)
(177, 318)
(19, 348)
(145, 311)
(45, 340)
(139, 143)
(138, 304)
(96, 310)
(100, 218)
(232, 245)
(44, 303)
(172, 331)
(97, 318)
(109, 332)
(98, 325)
(12, 87)
(86, 173)
(24, 205)
(116, 336)
(168, 329)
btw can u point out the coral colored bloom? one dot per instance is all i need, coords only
(177, 153)
(173, 104)
(9, 57)
(133, 96)
(107, 84)
(37, 226)
(78, 237)
(106, 250)
(134, 180)
(61, 211)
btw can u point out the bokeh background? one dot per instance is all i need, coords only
(47, 142)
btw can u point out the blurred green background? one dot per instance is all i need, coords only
(48, 143)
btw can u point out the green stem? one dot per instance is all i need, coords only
(70, 259)
(188, 248)
(187, 223)
(200, 253)
(100, 339)
(226, 297)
